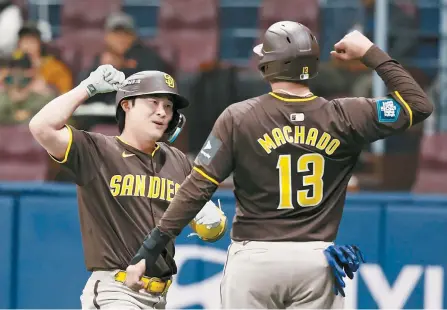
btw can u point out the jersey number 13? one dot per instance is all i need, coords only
(315, 180)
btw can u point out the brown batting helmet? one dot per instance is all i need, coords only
(289, 52)
(153, 83)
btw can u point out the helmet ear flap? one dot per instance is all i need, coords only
(175, 126)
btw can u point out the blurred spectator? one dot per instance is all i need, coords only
(10, 22)
(212, 92)
(107, 57)
(4, 63)
(122, 39)
(112, 58)
(54, 71)
(125, 51)
(24, 92)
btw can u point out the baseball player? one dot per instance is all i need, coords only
(291, 153)
(125, 183)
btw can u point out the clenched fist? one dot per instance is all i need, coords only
(104, 79)
(353, 46)
(134, 274)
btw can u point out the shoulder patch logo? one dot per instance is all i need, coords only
(388, 110)
(209, 149)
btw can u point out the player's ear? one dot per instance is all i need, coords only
(126, 105)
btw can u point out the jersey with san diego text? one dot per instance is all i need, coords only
(122, 194)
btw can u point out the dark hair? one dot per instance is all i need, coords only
(30, 29)
(121, 115)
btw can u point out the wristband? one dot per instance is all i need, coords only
(154, 243)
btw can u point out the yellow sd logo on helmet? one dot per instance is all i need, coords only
(169, 80)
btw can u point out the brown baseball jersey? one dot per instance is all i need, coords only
(292, 157)
(122, 193)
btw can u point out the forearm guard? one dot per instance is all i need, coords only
(154, 243)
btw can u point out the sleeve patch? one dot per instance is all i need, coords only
(388, 110)
(209, 150)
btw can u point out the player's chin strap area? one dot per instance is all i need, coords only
(153, 245)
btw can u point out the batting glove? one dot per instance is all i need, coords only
(344, 261)
(104, 79)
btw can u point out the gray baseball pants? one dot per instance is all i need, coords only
(278, 275)
(103, 292)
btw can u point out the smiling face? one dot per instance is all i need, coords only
(148, 117)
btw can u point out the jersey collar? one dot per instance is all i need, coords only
(290, 98)
(130, 148)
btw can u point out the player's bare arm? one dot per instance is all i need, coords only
(48, 125)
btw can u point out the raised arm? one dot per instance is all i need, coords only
(405, 104)
(48, 125)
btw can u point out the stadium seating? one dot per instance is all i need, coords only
(23, 4)
(167, 52)
(302, 11)
(192, 32)
(21, 157)
(145, 15)
(86, 14)
(238, 22)
(432, 170)
(197, 14)
(238, 30)
(78, 49)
